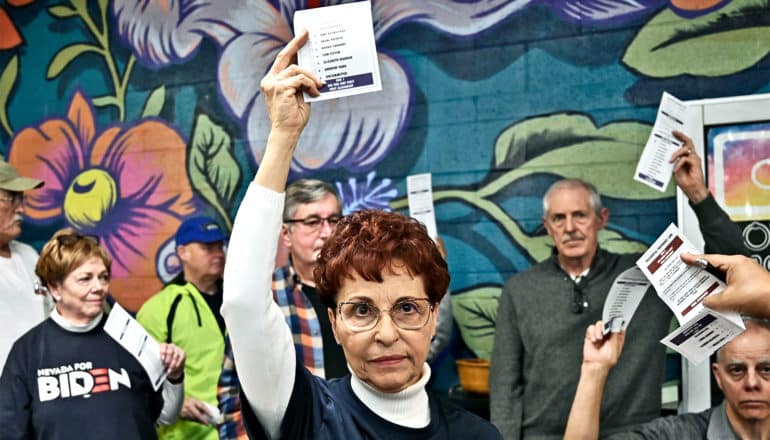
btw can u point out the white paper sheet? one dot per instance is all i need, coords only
(626, 293)
(680, 286)
(706, 333)
(683, 288)
(654, 167)
(134, 338)
(341, 49)
(419, 189)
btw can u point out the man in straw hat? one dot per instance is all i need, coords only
(20, 308)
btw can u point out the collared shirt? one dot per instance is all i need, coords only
(711, 424)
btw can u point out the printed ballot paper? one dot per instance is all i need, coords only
(625, 295)
(654, 168)
(134, 338)
(682, 287)
(341, 49)
(419, 189)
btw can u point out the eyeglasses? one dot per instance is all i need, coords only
(407, 314)
(579, 300)
(16, 198)
(579, 217)
(314, 222)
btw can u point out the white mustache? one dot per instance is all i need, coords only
(18, 218)
(572, 236)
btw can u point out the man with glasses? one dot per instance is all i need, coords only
(20, 307)
(311, 211)
(543, 313)
(186, 313)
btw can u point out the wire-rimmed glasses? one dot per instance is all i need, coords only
(406, 314)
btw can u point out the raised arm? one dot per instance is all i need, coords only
(262, 343)
(720, 234)
(600, 354)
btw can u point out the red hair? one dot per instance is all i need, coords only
(370, 242)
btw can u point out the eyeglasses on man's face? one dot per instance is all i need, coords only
(314, 223)
(14, 197)
(581, 218)
(407, 314)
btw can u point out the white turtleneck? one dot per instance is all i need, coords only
(263, 346)
(75, 328)
(173, 394)
(408, 407)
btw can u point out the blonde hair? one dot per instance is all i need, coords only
(66, 251)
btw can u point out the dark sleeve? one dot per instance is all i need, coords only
(721, 235)
(505, 383)
(685, 426)
(298, 420)
(15, 398)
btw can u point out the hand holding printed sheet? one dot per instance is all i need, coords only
(625, 295)
(683, 288)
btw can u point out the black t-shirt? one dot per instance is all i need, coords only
(335, 364)
(320, 410)
(214, 301)
(63, 385)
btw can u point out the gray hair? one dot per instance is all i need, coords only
(759, 322)
(594, 199)
(305, 191)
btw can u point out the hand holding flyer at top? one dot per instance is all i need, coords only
(688, 173)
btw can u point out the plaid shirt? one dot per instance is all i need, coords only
(303, 321)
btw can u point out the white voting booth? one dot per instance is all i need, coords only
(734, 143)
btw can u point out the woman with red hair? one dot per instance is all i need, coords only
(380, 275)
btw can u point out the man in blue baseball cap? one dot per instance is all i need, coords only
(186, 313)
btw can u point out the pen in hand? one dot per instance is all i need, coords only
(710, 268)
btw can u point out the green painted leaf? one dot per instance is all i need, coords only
(155, 102)
(104, 6)
(475, 312)
(61, 11)
(574, 147)
(212, 168)
(669, 45)
(79, 4)
(103, 101)
(7, 81)
(66, 56)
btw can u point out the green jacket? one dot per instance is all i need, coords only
(195, 330)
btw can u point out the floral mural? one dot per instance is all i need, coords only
(140, 113)
(121, 184)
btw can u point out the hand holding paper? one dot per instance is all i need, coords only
(173, 359)
(683, 288)
(625, 295)
(133, 337)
